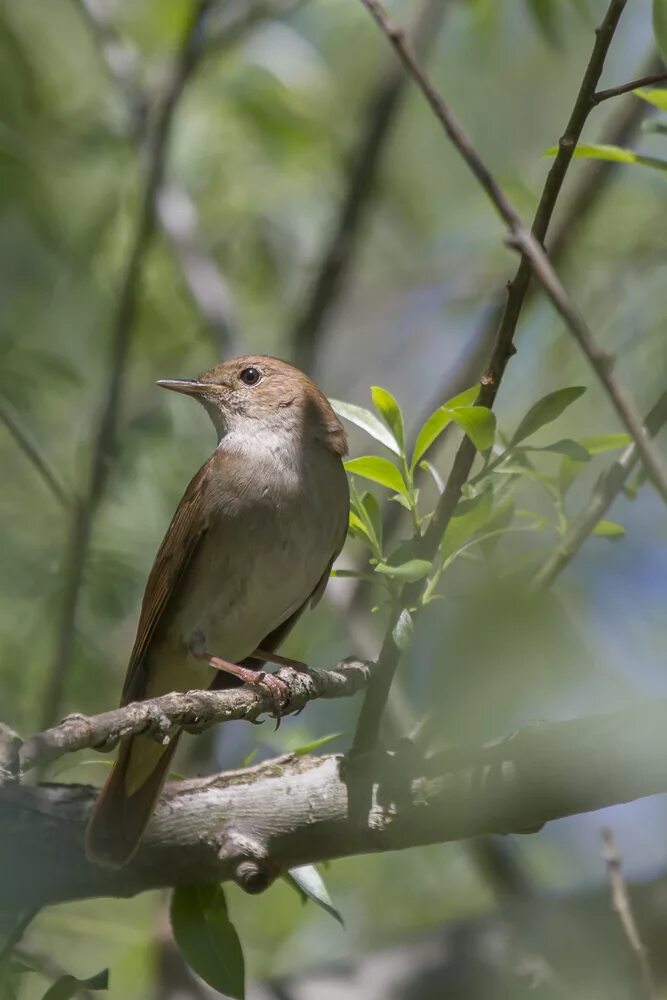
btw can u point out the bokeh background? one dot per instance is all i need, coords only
(264, 139)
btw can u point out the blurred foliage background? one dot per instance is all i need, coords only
(262, 140)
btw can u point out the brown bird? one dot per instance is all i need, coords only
(250, 546)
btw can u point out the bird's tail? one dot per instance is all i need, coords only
(127, 799)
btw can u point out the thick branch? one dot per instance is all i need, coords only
(195, 710)
(251, 825)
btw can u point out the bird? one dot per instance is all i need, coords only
(249, 548)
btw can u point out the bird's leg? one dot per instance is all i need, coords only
(282, 661)
(277, 688)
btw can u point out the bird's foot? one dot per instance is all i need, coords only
(276, 687)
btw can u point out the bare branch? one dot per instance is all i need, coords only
(194, 710)
(603, 496)
(252, 825)
(339, 251)
(620, 902)
(626, 88)
(34, 454)
(121, 336)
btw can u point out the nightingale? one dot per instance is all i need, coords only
(249, 548)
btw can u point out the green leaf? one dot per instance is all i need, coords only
(361, 417)
(544, 14)
(307, 748)
(609, 529)
(378, 470)
(546, 410)
(309, 883)
(69, 986)
(470, 517)
(660, 26)
(572, 449)
(439, 420)
(373, 513)
(358, 529)
(390, 412)
(403, 630)
(567, 473)
(207, 939)
(479, 423)
(596, 444)
(656, 97)
(596, 151)
(409, 572)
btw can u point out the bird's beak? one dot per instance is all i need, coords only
(189, 386)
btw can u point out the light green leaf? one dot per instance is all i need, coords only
(409, 572)
(572, 449)
(378, 470)
(403, 630)
(546, 410)
(358, 529)
(307, 748)
(596, 151)
(361, 417)
(373, 513)
(567, 473)
(309, 883)
(390, 412)
(660, 26)
(470, 517)
(656, 97)
(609, 529)
(439, 420)
(435, 475)
(596, 444)
(69, 986)
(207, 938)
(479, 423)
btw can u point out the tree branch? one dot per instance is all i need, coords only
(626, 88)
(193, 710)
(252, 825)
(121, 336)
(35, 455)
(371, 715)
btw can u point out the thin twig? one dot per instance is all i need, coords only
(196, 710)
(604, 494)
(620, 902)
(373, 708)
(338, 254)
(177, 212)
(121, 336)
(625, 88)
(35, 455)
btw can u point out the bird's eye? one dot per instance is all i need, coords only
(250, 376)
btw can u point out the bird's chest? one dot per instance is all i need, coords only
(260, 560)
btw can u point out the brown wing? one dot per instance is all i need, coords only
(186, 530)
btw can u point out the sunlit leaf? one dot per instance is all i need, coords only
(435, 475)
(378, 470)
(596, 151)
(373, 513)
(390, 411)
(322, 741)
(207, 938)
(609, 529)
(546, 410)
(479, 423)
(69, 986)
(309, 883)
(656, 97)
(596, 444)
(403, 630)
(409, 572)
(439, 420)
(357, 528)
(361, 417)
